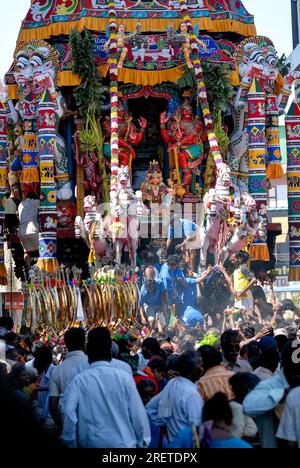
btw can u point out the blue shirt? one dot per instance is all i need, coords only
(190, 293)
(152, 298)
(185, 439)
(189, 228)
(168, 276)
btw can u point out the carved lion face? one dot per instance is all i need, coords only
(123, 176)
(35, 65)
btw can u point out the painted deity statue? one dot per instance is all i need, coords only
(129, 135)
(256, 58)
(183, 38)
(87, 158)
(122, 40)
(184, 133)
(153, 188)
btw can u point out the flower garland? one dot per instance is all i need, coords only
(202, 94)
(3, 174)
(114, 141)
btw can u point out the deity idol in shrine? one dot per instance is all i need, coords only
(129, 135)
(185, 134)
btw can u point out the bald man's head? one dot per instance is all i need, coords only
(149, 273)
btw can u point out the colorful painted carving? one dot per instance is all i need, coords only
(256, 58)
(153, 188)
(184, 133)
(128, 135)
(292, 122)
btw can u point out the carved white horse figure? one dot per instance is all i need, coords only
(92, 228)
(128, 206)
(216, 206)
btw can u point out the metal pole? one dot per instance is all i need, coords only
(295, 24)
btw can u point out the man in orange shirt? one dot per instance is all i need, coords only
(216, 377)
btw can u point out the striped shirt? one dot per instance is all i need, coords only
(215, 380)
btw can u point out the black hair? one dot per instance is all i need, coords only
(288, 304)
(187, 343)
(244, 350)
(269, 358)
(217, 409)
(162, 338)
(172, 362)
(228, 334)
(248, 330)
(142, 385)
(242, 383)
(10, 337)
(173, 260)
(242, 255)
(210, 356)
(42, 353)
(254, 354)
(292, 333)
(152, 345)
(13, 378)
(6, 322)
(74, 339)
(99, 345)
(123, 344)
(186, 363)
(157, 364)
(281, 341)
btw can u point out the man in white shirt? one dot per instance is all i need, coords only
(102, 407)
(265, 403)
(289, 427)
(75, 342)
(115, 362)
(179, 404)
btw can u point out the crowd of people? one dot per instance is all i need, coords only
(183, 387)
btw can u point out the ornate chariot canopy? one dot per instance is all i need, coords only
(47, 18)
(153, 61)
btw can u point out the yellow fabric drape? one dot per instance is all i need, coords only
(125, 75)
(142, 77)
(48, 265)
(259, 252)
(148, 24)
(67, 78)
(274, 171)
(12, 91)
